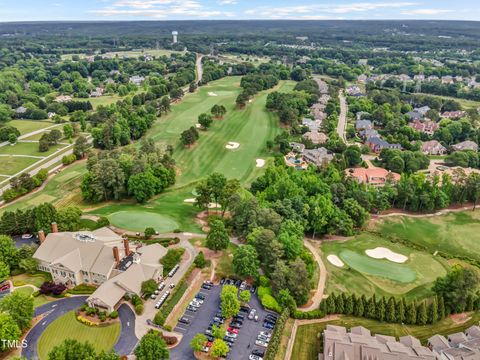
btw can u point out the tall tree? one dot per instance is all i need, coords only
(217, 237)
(245, 261)
(433, 311)
(20, 308)
(71, 349)
(391, 310)
(152, 347)
(422, 316)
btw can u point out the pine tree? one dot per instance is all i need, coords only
(433, 311)
(401, 311)
(359, 309)
(339, 304)
(470, 301)
(371, 309)
(422, 317)
(476, 304)
(381, 305)
(391, 310)
(331, 304)
(349, 304)
(323, 306)
(411, 314)
(441, 308)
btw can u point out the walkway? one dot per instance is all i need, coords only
(322, 279)
(342, 118)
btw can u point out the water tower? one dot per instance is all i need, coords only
(174, 34)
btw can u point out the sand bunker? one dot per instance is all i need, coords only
(189, 200)
(198, 126)
(384, 253)
(212, 94)
(232, 145)
(335, 260)
(260, 163)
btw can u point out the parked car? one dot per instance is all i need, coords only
(228, 339)
(206, 287)
(266, 333)
(268, 325)
(244, 309)
(235, 325)
(232, 335)
(218, 320)
(243, 284)
(194, 304)
(261, 343)
(258, 352)
(184, 320)
(239, 316)
(232, 330)
(222, 281)
(253, 290)
(252, 314)
(172, 285)
(192, 308)
(153, 296)
(205, 349)
(254, 357)
(27, 236)
(200, 296)
(263, 338)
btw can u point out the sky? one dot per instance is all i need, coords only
(44, 10)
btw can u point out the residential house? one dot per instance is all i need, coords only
(465, 145)
(362, 114)
(377, 144)
(359, 343)
(362, 78)
(433, 147)
(316, 137)
(297, 147)
(368, 133)
(433, 78)
(97, 92)
(354, 90)
(363, 125)
(137, 80)
(426, 127)
(404, 77)
(313, 125)
(419, 77)
(453, 114)
(447, 79)
(372, 176)
(422, 110)
(63, 98)
(414, 115)
(51, 114)
(318, 156)
(20, 111)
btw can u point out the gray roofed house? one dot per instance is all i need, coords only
(473, 332)
(410, 341)
(363, 125)
(377, 144)
(313, 125)
(460, 354)
(414, 115)
(317, 156)
(422, 110)
(438, 343)
(455, 339)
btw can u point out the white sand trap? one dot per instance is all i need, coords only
(384, 253)
(260, 163)
(232, 145)
(214, 206)
(335, 260)
(192, 200)
(212, 94)
(198, 126)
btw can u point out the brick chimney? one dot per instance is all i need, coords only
(116, 254)
(41, 236)
(126, 245)
(54, 227)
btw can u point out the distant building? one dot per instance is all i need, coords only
(376, 144)
(137, 80)
(98, 92)
(372, 176)
(422, 110)
(465, 145)
(426, 127)
(433, 147)
(363, 125)
(316, 137)
(414, 115)
(313, 125)
(63, 98)
(175, 36)
(297, 147)
(318, 156)
(453, 114)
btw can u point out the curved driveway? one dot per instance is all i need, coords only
(53, 310)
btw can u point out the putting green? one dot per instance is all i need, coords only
(139, 220)
(380, 268)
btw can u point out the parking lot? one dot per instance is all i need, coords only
(199, 321)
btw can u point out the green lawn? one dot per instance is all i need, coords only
(11, 165)
(365, 275)
(139, 220)
(39, 135)
(104, 100)
(308, 342)
(455, 234)
(28, 148)
(27, 126)
(36, 279)
(26, 290)
(67, 326)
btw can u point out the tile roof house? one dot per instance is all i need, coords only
(318, 156)
(63, 98)
(372, 176)
(465, 145)
(433, 147)
(316, 137)
(427, 127)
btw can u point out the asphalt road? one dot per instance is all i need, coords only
(342, 118)
(199, 321)
(52, 311)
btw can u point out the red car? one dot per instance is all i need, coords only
(209, 344)
(232, 330)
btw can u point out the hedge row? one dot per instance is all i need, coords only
(276, 338)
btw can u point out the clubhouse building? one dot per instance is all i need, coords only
(101, 258)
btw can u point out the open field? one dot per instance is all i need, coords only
(104, 100)
(67, 326)
(455, 234)
(365, 275)
(27, 148)
(27, 126)
(240, 58)
(11, 165)
(308, 343)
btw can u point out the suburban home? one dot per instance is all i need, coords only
(422, 110)
(426, 127)
(419, 77)
(97, 92)
(457, 346)
(363, 125)
(354, 90)
(465, 145)
(414, 115)
(433, 147)
(137, 80)
(369, 133)
(447, 79)
(376, 144)
(318, 156)
(316, 137)
(313, 125)
(20, 111)
(372, 176)
(100, 258)
(63, 98)
(359, 343)
(297, 147)
(453, 114)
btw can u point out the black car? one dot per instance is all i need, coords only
(192, 308)
(229, 339)
(271, 318)
(244, 309)
(253, 290)
(238, 283)
(200, 296)
(210, 338)
(238, 316)
(206, 287)
(184, 320)
(235, 325)
(258, 352)
(222, 281)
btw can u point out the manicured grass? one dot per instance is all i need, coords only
(27, 126)
(11, 165)
(139, 220)
(308, 341)
(61, 190)
(39, 135)
(455, 234)
(35, 279)
(104, 100)
(364, 275)
(26, 290)
(251, 127)
(67, 326)
(28, 148)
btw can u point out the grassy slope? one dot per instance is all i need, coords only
(67, 326)
(28, 148)
(27, 126)
(308, 343)
(423, 264)
(11, 165)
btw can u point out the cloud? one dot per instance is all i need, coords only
(426, 12)
(227, 2)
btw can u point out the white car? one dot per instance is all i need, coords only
(261, 343)
(195, 304)
(27, 236)
(266, 333)
(153, 296)
(231, 335)
(254, 357)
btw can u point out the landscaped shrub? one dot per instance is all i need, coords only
(269, 302)
(139, 309)
(49, 287)
(86, 321)
(68, 159)
(314, 314)
(82, 289)
(113, 314)
(90, 310)
(103, 221)
(171, 258)
(136, 300)
(277, 336)
(200, 261)
(170, 340)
